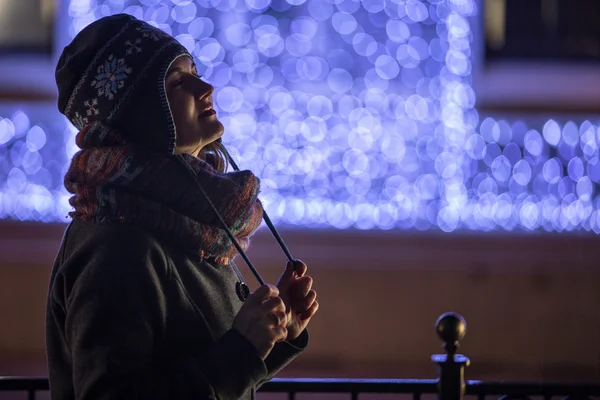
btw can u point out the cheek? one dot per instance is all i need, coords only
(182, 109)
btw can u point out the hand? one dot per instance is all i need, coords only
(298, 296)
(262, 319)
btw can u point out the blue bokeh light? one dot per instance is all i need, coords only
(33, 159)
(353, 114)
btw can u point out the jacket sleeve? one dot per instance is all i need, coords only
(116, 312)
(284, 353)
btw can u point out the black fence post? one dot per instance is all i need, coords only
(451, 329)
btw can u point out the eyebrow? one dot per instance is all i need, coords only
(173, 70)
(179, 69)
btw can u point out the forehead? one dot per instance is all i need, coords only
(183, 62)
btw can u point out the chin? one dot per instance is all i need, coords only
(206, 132)
(217, 130)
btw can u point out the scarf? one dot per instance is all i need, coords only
(113, 179)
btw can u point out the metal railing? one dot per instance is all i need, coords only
(450, 384)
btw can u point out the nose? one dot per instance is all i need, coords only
(204, 89)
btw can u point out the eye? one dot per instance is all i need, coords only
(182, 78)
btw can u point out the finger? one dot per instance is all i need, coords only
(300, 287)
(288, 274)
(311, 311)
(279, 334)
(277, 319)
(274, 304)
(299, 267)
(263, 293)
(307, 302)
(300, 306)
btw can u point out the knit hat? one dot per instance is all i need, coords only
(114, 72)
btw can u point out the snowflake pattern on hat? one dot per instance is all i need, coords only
(91, 110)
(135, 45)
(79, 120)
(151, 32)
(111, 76)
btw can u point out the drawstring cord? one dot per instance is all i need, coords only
(265, 216)
(227, 230)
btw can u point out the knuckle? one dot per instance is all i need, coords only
(282, 333)
(283, 317)
(267, 289)
(278, 303)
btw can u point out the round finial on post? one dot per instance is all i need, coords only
(451, 329)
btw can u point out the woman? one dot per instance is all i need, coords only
(142, 300)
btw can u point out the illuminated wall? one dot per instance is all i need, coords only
(352, 113)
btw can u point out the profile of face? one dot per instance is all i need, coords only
(191, 102)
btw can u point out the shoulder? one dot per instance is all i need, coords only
(112, 249)
(111, 237)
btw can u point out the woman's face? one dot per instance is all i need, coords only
(191, 104)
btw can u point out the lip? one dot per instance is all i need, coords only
(208, 113)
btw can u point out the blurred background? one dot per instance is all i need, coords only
(421, 156)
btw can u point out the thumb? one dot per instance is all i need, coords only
(300, 267)
(288, 274)
(262, 294)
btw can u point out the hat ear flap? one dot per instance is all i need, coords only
(147, 118)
